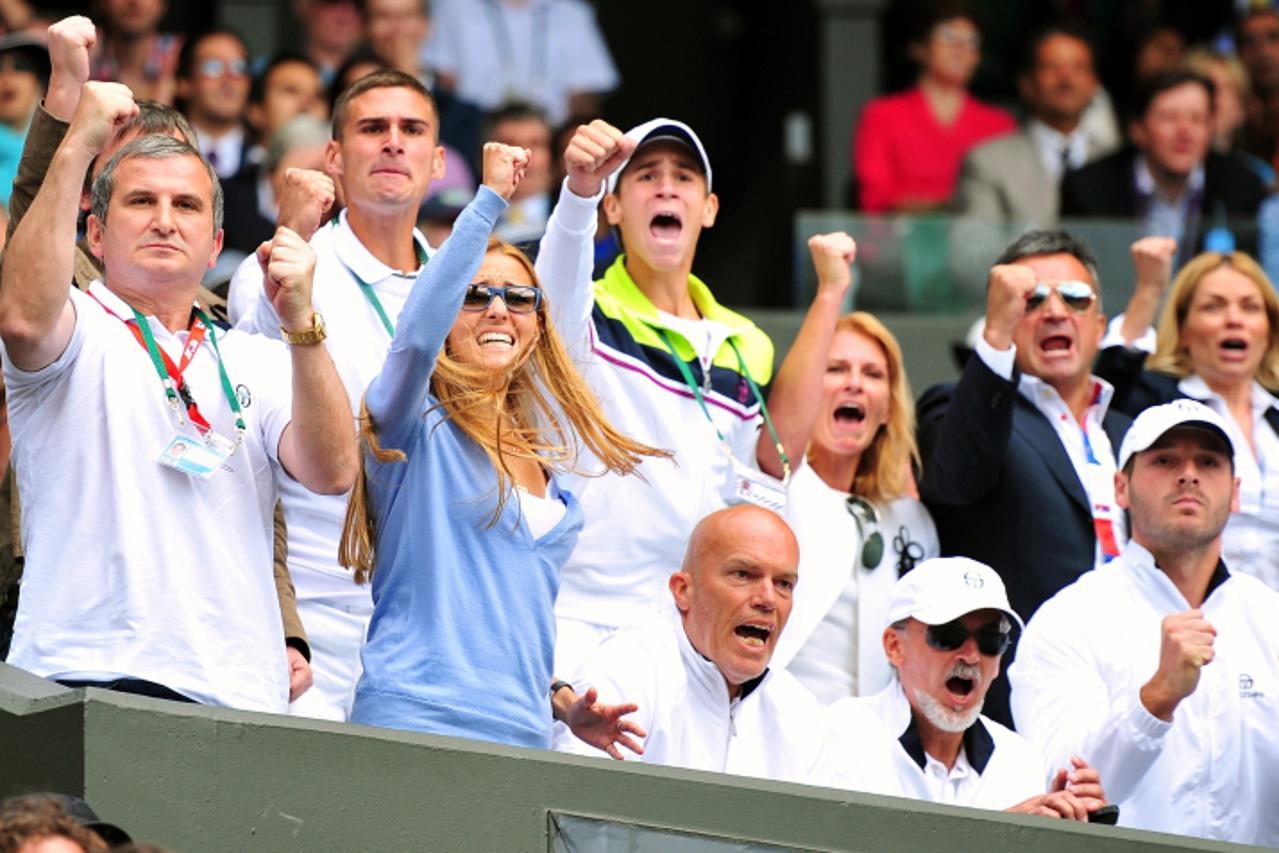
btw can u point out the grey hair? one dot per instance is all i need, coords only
(299, 132)
(1039, 242)
(152, 147)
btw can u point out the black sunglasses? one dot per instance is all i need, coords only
(992, 639)
(519, 298)
(868, 526)
(1077, 295)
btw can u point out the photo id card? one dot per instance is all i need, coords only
(192, 456)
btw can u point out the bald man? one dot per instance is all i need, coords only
(700, 675)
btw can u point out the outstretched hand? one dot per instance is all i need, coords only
(504, 167)
(596, 151)
(602, 725)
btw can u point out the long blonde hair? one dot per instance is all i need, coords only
(518, 412)
(883, 469)
(1171, 357)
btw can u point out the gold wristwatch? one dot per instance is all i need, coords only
(313, 335)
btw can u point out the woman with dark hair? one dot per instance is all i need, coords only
(458, 518)
(842, 394)
(1217, 342)
(908, 147)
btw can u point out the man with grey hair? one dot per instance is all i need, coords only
(70, 41)
(1019, 458)
(192, 430)
(948, 625)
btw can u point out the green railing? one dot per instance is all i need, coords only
(194, 778)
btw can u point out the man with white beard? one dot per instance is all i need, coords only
(949, 624)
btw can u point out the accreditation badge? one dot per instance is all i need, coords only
(194, 457)
(747, 485)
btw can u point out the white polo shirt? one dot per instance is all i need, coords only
(134, 569)
(357, 342)
(773, 731)
(996, 767)
(1214, 770)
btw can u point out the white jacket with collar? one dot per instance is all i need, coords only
(1213, 771)
(774, 731)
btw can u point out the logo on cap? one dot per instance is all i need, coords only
(974, 580)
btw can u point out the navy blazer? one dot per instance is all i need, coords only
(1002, 490)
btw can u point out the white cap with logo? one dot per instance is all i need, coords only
(1151, 425)
(943, 589)
(664, 128)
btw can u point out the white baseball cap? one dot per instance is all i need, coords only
(659, 129)
(942, 589)
(1151, 425)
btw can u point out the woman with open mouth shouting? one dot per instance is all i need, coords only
(842, 392)
(1218, 343)
(458, 517)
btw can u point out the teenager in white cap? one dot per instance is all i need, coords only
(1164, 665)
(948, 625)
(671, 366)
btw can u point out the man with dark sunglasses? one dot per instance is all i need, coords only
(949, 623)
(1165, 664)
(1019, 459)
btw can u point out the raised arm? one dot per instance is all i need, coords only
(306, 197)
(566, 255)
(1152, 257)
(317, 448)
(794, 400)
(36, 317)
(964, 435)
(397, 396)
(69, 42)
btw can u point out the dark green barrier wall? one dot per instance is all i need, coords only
(198, 779)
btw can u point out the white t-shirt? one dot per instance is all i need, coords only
(357, 342)
(134, 569)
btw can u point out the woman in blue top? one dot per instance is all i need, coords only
(458, 518)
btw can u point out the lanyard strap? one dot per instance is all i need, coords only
(750, 380)
(171, 375)
(371, 295)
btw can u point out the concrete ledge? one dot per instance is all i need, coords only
(196, 778)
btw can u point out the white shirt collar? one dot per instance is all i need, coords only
(1036, 390)
(1259, 398)
(360, 260)
(1146, 181)
(1051, 142)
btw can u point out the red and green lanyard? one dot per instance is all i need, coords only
(171, 375)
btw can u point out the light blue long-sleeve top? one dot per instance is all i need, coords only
(463, 633)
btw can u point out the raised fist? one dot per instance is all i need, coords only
(596, 151)
(503, 167)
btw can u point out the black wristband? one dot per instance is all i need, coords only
(558, 685)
